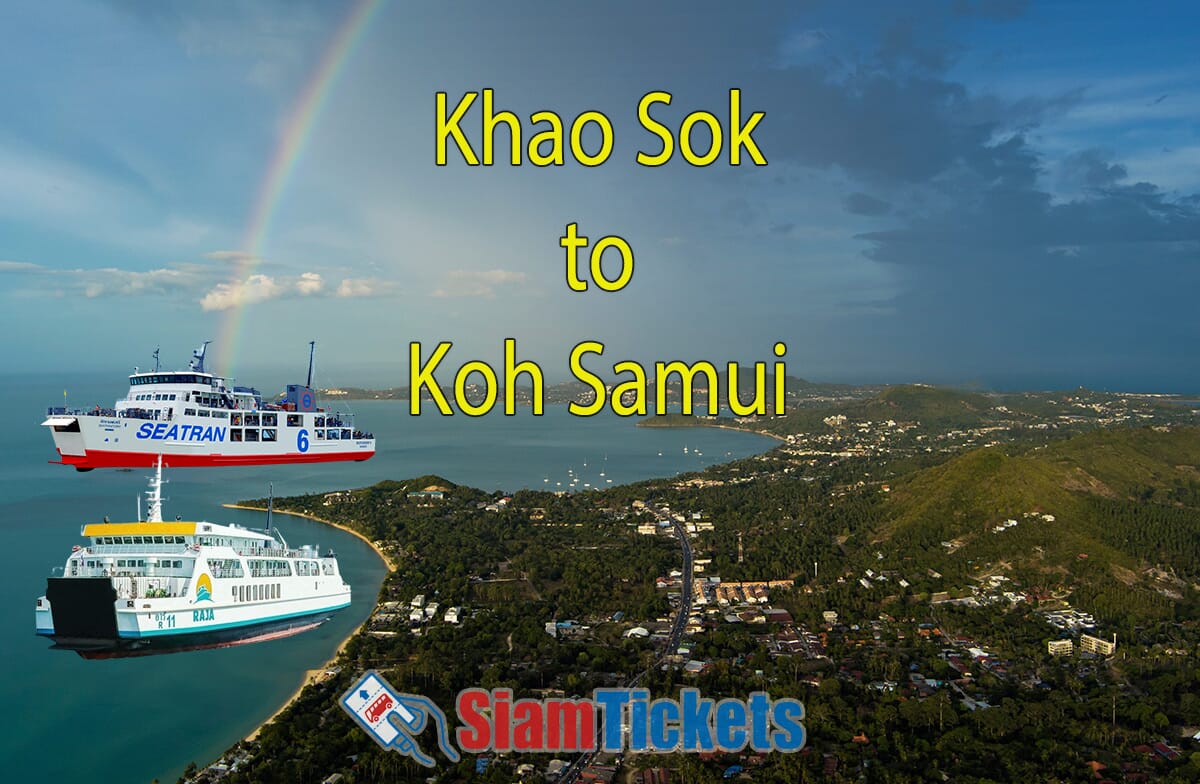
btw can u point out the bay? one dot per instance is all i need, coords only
(137, 719)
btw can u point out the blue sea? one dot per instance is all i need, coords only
(139, 719)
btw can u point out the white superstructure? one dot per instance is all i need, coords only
(192, 418)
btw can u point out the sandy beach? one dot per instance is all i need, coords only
(314, 676)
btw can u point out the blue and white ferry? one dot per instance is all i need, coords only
(193, 418)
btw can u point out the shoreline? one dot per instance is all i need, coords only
(314, 675)
(387, 561)
(718, 427)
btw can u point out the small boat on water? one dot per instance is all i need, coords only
(161, 587)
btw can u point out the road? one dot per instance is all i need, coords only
(571, 773)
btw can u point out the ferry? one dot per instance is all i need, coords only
(161, 587)
(193, 418)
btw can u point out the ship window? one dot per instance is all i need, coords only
(332, 434)
(252, 420)
(202, 412)
(120, 563)
(235, 434)
(177, 564)
(270, 420)
(347, 434)
(268, 434)
(295, 420)
(241, 593)
(141, 562)
(320, 434)
(319, 421)
(137, 540)
(220, 414)
(235, 419)
(126, 540)
(251, 434)
(158, 540)
(178, 540)
(189, 412)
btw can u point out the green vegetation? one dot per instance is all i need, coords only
(927, 549)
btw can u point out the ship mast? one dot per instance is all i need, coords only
(312, 345)
(154, 494)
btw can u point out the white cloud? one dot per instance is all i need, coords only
(19, 266)
(360, 287)
(476, 283)
(309, 283)
(110, 281)
(256, 288)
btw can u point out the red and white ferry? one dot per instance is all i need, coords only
(192, 418)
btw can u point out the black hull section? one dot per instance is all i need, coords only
(114, 647)
(83, 607)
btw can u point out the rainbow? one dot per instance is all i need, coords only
(284, 160)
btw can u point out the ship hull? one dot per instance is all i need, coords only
(99, 458)
(86, 615)
(93, 648)
(88, 441)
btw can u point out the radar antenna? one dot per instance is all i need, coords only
(197, 363)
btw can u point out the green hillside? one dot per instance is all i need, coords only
(1124, 503)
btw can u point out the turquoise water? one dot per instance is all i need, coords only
(132, 720)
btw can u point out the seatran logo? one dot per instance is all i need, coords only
(613, 720)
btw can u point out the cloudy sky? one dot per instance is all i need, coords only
(975, 191)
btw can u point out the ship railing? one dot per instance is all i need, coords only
(124, 413)
(172, 550)
(271, 552)
(94, 411)
(143, 587)
(81, 569)
(270, 573)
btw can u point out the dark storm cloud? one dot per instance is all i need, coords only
(865, 204)
(1002, 275)
(1089, 170)
(994, 271)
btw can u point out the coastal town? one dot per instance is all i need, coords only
(805, 572)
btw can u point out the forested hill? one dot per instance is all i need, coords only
(1116, 507)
